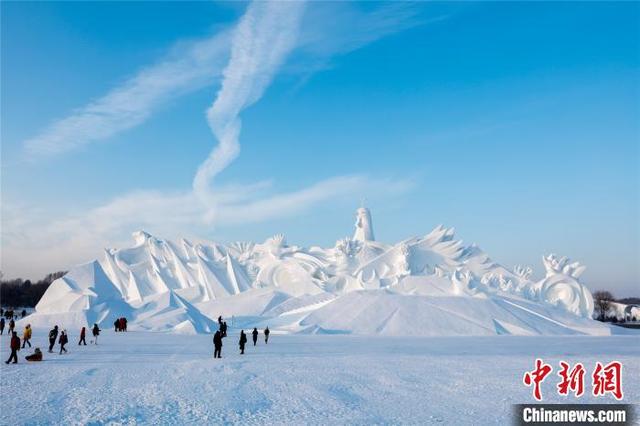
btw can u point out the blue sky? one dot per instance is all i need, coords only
(516, 123)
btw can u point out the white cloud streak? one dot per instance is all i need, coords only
(29, 234)
(264, 37)
(130, 104)
(256, 50)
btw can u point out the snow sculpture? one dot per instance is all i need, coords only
(560, 286)
(523, 272)
(345, 251)
(462, 282)
(182, 286)
(403, 265)
(364, 226)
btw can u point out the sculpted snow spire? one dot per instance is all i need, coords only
(364, 226)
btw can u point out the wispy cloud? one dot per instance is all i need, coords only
(332, 28)
(247, 58)
(131, 103)
(323, 31)
(79, 237)
(264, 37)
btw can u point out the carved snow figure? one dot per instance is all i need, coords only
(523, 272)
(403, 265)
(364, 226)
(560, 287)
(462, 282)
(345, 252)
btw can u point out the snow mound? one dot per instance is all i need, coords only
(82, 297)
(431, 285)
(379, 312)
(173, 313)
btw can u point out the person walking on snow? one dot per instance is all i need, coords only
(83, 331)
(96, 332)
(217, 345)
(12, 325)
(266, 335)
(26, 336)
(14, 345)
(63, 341)
(242, 342)
(53, 335)
(2, 325)
(255, 336)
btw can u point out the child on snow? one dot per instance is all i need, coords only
(36, 356)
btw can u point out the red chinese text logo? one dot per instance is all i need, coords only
(607, 379)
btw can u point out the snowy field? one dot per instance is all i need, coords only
(158, 378)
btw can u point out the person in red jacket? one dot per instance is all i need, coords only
(15, 347)
(82, 335)
(63, 341)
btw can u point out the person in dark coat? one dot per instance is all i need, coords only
(83, 331)
(15, 347)
(63, 341)
(116, 325)
(2, 325)
(12, 325)
(24, 313)
(242, 342)
(124, 324)
(36, 356)
(255, 336)
(266, 335)
(53, 335)
(217, 345)
(96, 332)
(220, 320)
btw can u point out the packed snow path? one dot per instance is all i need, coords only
(159, 378)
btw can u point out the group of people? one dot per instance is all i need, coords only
(12, 326)
(254, 334)
(10, 314)
(120, 324)
(55, 335)
(222, 333)
(14, 344)
(62, 338)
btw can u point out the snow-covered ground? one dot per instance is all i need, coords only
(162, 378)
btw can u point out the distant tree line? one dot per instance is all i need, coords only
(24, 293)
(602, 309)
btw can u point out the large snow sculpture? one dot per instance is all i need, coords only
(424, 284)
(560, 286)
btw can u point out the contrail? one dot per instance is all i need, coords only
(262, 40)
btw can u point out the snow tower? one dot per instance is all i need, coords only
(364, 226)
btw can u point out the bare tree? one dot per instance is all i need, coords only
(602, 302)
